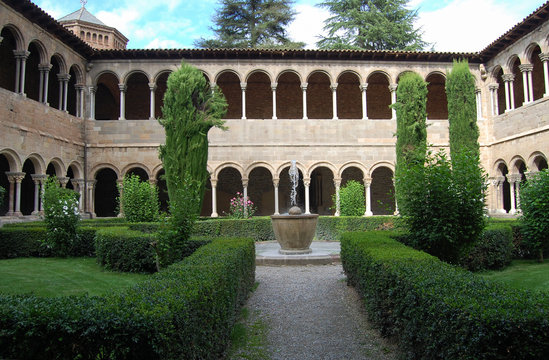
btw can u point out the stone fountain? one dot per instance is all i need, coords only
(294, 231)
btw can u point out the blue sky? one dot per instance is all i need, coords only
(452, 25)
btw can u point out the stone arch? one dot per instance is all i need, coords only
(259, 98)
(502, 171)
(387, 164)
(58, 66)
(514, 64)
(349, 95)
(261, 188)
(79, 74)
(538, 82)
(319, 95)
(229, 82)
(38, 163)
(255, 71)
(325, 164)
(296, 73)
(382, 189)
(106, 190)
(75, 78)
(284, 187)
(128, 169)
(399, 76)
(8, 163)
(100, 166)
(516, 164)
(10, 43)
(161, 82)
(537, 161)
(58, 166)
(137, 95)
(497, 74)
(36, 57)
(224, 165)
(287, 164)
(156, 170)
(378, 95)
(13, 159)
(28, 188)
(42, 51)
(289, 95)
(229, 183)
(352, 164)
(437, 102)
(257, 164)
(322, 188)
(17, 35)
(77, 169)
(107, 96)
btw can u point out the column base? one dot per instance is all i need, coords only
(10, 213)
(18, 213)
(214, 215)
(35, 212)
(152, 118)
(368, 213)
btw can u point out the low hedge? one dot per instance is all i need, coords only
(493, 251)
(438, 311)
(183, 312)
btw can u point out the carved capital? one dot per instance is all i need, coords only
(63, 77)
(273, 86)
(393, 87)
(367, 181)
(45, 67)
(334, 87)
(364, 86)
(526, 67)
(307, 182)
(122, 87)
(21, 54)
(337, 182)
(63, 181)
(508, 77)
(244, 182)
(213, 182)
(276, 181)
(304, 86)
(243, 86)
(493, 87)
(152, 86)
(544, 57)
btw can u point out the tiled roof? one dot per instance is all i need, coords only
(82, 15)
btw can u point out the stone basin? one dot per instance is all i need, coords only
(294, 233)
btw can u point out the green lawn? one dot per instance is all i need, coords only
(523, 274)
(61, 277)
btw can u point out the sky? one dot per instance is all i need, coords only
(450, 25)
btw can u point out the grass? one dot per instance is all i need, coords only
(61, 277)
(523, 274)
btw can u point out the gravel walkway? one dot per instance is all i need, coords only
(311, 313)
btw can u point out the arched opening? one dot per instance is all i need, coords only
(138, 98)
(261, 191)
(229, 84)
(229, 182)
(505, 187)
(437, 103)
(501, 92)
(106, 193)
(352, 173)
(538, 82)
(518, 84)
(289, 96)
(206, 209)
(7, 60)
(540, 163)
(70, 176)
(349, 96)
(71, 91)
(382, 191)
(27, 188)
(50, 170)
(321, 191)
(4, 167)
(32, 73)
(162, 190)
(161, 86)
(107, 97)
(284, 190)
(53, 82)
(140, 172)
(319, 96)
(378, 97)
(259, 98)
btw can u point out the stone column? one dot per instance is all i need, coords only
(396, 203)
(479, 103)
(120, 183)
(63, 181)
(41, 84)
(363, 88)
(45, 69)
(511, 180)
(90, 187)
(367, 183)
(11, 190)
(494, 99)
(508, 80)
(245, 195)
(65, 90)
(243, 87)
(122, 88)
(304, 88)
(36, 181)
(499, 180)
(273, 87)
(92, 89)
(337, 185)
(275, 185)
(307, 183)
(334, 101)
(78, 184)
(18, 179)
(21, 57)
(152, 87)
(545, 60)
(79, 100)
(392, 89)
(214, 198)
(526, 70)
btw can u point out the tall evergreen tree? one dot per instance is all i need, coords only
(252, 24)
(371, 25)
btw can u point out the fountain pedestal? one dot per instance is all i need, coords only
(294, 233)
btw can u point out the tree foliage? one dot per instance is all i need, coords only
(534, 204)
(251, 24)
(139, 200)
(351, 199)
(2, 195)
(371, 25)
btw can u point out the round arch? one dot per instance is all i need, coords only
(62, 63)
(78, 72)
(528, 52)
(437, 102)
(497, 166)
(289, 95)
(379, 164)
(319, 95)
(77, 169)
(42, 51)
(350, 164)
(17, 35)
(259, 98)
(378, 72)
(229, 82)
(59, 166)
(101, 166)
(230, 164)
(38, 163)
(13, 158)
(514, 164)
(161, 73)
(535, 159)
(349, 95)
(225, 71)
(105, 73)
(257, 164)
(325, 164)
(130, 73)
(349, 71)
(286, 71)
(255, 71)
(132, 166)
(287, 164)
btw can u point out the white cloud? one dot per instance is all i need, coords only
(308, 25)
(163, 44)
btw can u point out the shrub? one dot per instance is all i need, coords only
(534, 204)
(439, 311)
(241, 208)
(493, 251)
(139, 200)
(61, 217)
(184, 312)
(2, 196)
(351, 199)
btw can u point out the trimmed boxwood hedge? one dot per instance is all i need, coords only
(183, 312)
(438, 311)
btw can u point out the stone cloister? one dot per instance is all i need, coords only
(90, 116)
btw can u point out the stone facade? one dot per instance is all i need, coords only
(92, 118)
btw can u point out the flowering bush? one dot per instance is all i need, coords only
(241, 208)
(61, 216)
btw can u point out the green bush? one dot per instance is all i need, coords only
(534, 203)
(439, 311)
(61, 217)
(184, 312)
(139, 200)
(2, 195)
(23, 242)
(493, 251)
(121, 249)
(351, 199)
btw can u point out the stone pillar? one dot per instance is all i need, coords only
(92, 89)
(243, 87)
(307, 183)
(41, 84)
(66, 79)
(122, 88)
(78, 184)
(509, 94)
(36, 181)
(214, 198)
(152, 87)
(479, 103)
(120, 183)
(526, 70)
(337, 185)
(367, 183)
(304, 88)
(11, 190)
(514, 180)
(79, 100)
(273, 87)
(392, 89)
(363, 88)
(60, 80)
(90, 188)
(494, 99)
(245, 195)
(396, 203)
(511, 180)
(275, 185)
(545, 59)
(42, 180)
(498, 182)
(21, 57)
(18, 179)
(45, 69)
(334, 101)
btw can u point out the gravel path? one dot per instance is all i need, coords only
(311, 313)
